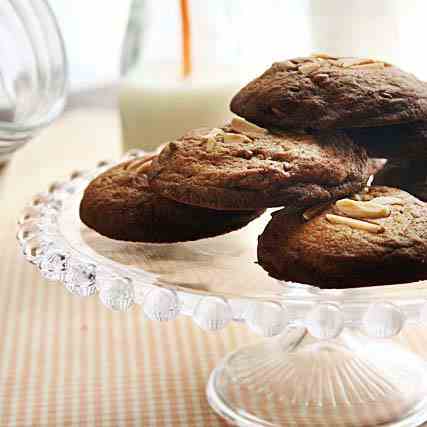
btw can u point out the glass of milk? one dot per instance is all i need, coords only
(183, 60)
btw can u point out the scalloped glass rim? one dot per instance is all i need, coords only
(299, 299)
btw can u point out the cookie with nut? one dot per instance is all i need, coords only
(379, 240)
(327, 92)
(244, 166)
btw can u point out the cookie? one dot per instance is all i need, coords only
(120, 204)
(407, 141)
(242, 166)
(323, 92)
(325, 250)
(409, 175)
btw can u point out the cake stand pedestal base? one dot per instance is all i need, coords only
(295, 379)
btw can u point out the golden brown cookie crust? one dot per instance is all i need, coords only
(330, 255)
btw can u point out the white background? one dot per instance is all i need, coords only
(270, 30)
(93, 31)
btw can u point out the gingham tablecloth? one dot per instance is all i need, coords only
(66, 360)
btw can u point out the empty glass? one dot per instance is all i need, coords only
(33, 71)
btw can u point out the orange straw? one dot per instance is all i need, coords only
(186, 39)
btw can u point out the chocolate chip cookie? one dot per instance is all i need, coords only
(409, 175)
(121, 205)
(242, 166)
(381, 240)
(323, 92)
(406, 141)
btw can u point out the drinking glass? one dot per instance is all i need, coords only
(33, 72)
(389, 30)
(182, 64)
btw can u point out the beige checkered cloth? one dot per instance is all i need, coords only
(66, 360)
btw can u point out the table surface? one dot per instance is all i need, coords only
(66, 360)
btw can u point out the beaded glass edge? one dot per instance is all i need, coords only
(43, 245)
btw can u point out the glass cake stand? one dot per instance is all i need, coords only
(348, 357)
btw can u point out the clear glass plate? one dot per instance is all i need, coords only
(223, 266)
(331, 362)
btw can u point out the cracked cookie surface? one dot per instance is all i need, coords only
(227, 169)
(119, 204)
(327, 253)
(322, 92)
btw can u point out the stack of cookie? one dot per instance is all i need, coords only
(306, 129)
